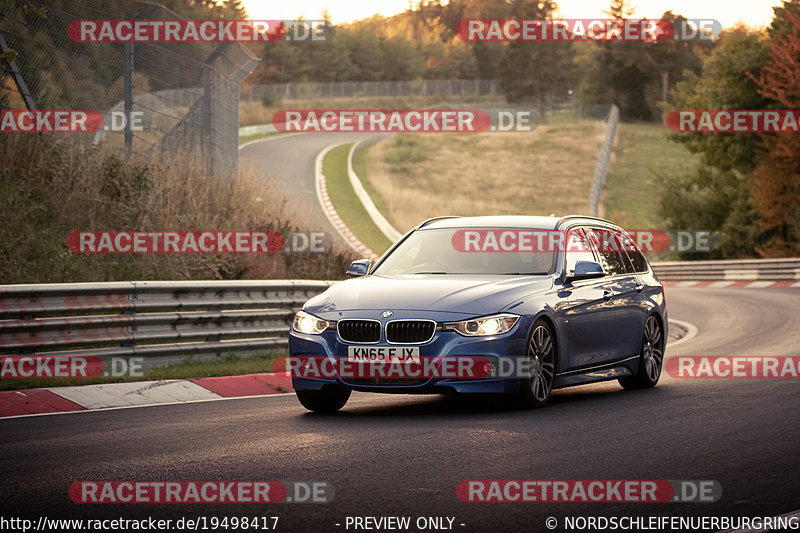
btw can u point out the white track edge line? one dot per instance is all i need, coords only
(691, 333)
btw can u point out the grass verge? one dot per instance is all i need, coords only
(423, 175)
(361, 169)
(346, 203)
(231, 365)
(630, 197)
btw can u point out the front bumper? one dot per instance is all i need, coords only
(444, 345)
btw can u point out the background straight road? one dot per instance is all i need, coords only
(404, 455)
(286, 164)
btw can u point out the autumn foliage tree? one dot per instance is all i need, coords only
(715, 195)
(775, 182)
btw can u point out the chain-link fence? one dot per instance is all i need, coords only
(277, 92)
(186, 95)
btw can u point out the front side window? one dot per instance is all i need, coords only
(578, 249)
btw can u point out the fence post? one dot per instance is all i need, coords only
(601, 167)
(128, 95)
(22, 87)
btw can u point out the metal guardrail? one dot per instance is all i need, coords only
(601, 167)
(784, 269)
(172, 321)
(165, 321)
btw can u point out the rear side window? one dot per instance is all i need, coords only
(609, 250)
(637, 260)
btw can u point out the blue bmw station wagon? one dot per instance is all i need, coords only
(544, 302)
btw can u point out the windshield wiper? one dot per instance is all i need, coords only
(429, 272)
(525, 273)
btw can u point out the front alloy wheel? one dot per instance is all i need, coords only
(651, 357)
(541, 356)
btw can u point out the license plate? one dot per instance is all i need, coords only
(383, 354)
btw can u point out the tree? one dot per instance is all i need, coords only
(716, 196)
(487, 55)
(775, 182)
(723, 84)
(637, 75)
(539, 72)
(671, 58)
(617, 72)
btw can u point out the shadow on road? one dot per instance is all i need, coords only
(606, 395)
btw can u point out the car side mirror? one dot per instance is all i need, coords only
(586, 270)
(358, 268)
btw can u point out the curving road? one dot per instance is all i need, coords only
(286, 165)
(404, 455)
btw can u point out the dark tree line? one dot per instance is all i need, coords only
(423, 44)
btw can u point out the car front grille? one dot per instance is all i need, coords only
(410, 331)
(368, 331)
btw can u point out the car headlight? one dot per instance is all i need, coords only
(484, 326)
(306, 323)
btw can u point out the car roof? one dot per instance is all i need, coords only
(509, 221)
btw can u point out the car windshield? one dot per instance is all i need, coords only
(442, 251)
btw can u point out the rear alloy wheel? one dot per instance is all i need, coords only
(327, 400)
(541, 356)
(651, 357)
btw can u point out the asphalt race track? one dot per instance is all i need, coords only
(287, 163)
(404, 455)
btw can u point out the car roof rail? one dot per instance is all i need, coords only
(586, 217)
(434, 219)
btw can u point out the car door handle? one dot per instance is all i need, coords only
(639, 288)
(607, 295)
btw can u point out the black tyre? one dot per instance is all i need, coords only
(534, 391)
(327, 400)
(651, 357)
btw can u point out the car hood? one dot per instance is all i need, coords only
(465, 295)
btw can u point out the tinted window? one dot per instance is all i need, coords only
(578, 249)
(624, 246)
(637, 260)
(607, 246)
